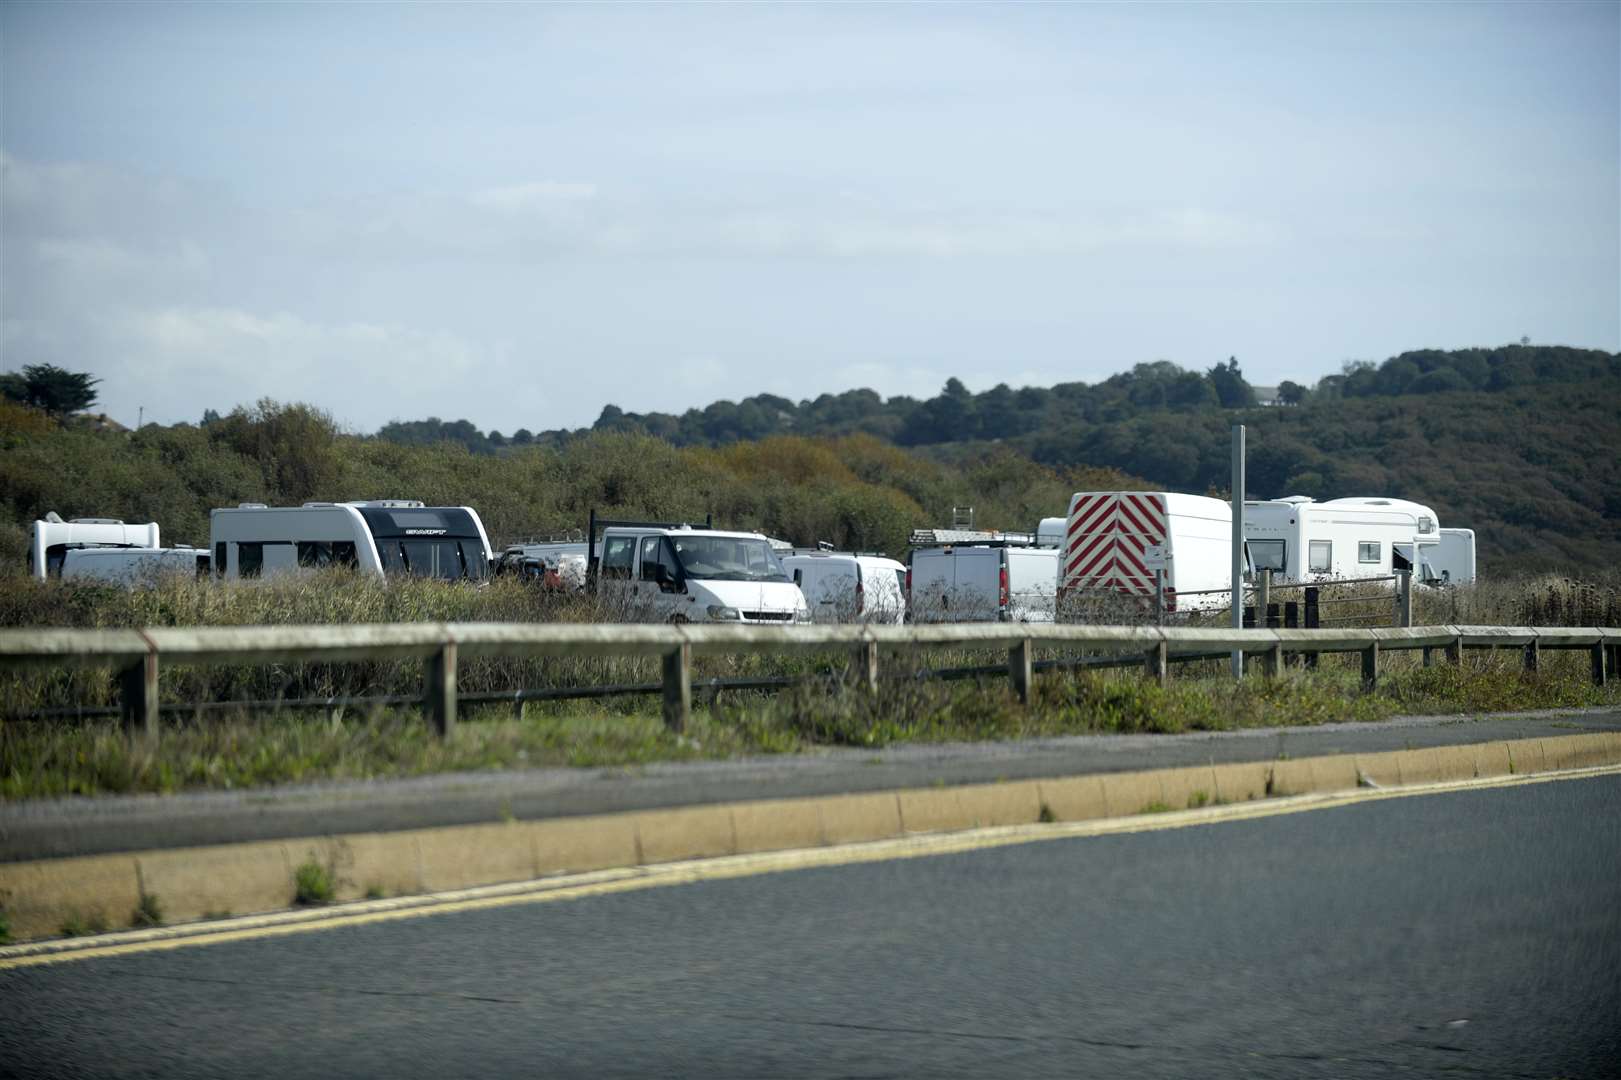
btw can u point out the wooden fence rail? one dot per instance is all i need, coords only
(135, 654)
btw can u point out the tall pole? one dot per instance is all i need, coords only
(1238, 544)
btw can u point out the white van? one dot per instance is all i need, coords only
(134, 566)
(983, 583)
(842, 587)
(1452, 560)
(1116, 540)
(390, 537)
(655, 572)
(53, 538)
(1301, 541)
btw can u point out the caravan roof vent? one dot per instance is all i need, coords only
(320, 504)
(1296, 499)
(95, 521)
(252, 506)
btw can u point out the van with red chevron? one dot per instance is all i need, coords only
(1115, 541)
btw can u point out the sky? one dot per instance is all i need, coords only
(518, 214)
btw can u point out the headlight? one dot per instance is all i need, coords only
(716, 611)
(802, 615)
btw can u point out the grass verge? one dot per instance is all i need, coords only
(56, 759)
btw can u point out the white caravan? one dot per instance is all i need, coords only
(1452, 560)
(655, 572)
(1115, 541)
(1301, 541)
(135, 566)
(54, 538)
(991, 582)
(391, 537)
(845, 587)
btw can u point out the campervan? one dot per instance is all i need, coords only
(389, 537)
(847, 587)
(53, 538)
(1300, 540)
(662, 572)
(1116, 541)
(134, 566)
(1452, 560)
(986, 581)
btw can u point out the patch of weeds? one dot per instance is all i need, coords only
(148, 911)
(79, 924)
(5, 929)
(507, 815)
(1156, 807)
(375, 892)
(1046, 817)
(1198, 799)
(222, 913)
(312, 884)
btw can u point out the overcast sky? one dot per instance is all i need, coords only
(517, 214)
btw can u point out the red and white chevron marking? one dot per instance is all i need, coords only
(1108, 541)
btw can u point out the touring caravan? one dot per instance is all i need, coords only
(53, 538)
(389, 537)
(1300, 540)
(134, 566)
(1115, 541)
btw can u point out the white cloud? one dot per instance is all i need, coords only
(541, 194)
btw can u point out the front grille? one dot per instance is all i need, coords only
(768, 616)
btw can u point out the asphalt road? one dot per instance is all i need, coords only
(1468, 933)
(50, 828)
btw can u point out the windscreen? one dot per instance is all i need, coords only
(727, 558)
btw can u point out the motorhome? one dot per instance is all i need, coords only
(1452, 560)
(983, 581)
(1116, 541)
(389, 537)
(663, 572)
(1301, 541)
(53, 538)
(135, 566)
(844, 586)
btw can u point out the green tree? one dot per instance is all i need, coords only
(1231, 389)
(46, 386)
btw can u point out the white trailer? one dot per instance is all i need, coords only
(53, 538)
(1115, 541)
(1343, 539)
(1452, 560)
(135, 566)
(844, 587)
(389, 537)
(990, 582)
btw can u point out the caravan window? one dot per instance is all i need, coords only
(1322, 556)
(1367, 551)
(446, 559)
(250, 559)
(219, 558)
(1268, 555)
(322, 553)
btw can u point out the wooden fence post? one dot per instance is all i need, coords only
(1157, 664)
(1370, 666)
(1404, 598)
(1454, 652)
(678, 687)
(866, 663)
(1019, 670)
(1272, 661)
(1532, 655)
(439, 690)
(138, 696)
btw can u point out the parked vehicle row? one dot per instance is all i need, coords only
(1111, 545)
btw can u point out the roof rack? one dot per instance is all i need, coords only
(975, 537)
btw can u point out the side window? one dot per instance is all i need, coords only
(799, 576)
(388, 552)
(219, 559)
(1268, 555)
(650, 557)
(618, 553)
(250, 560)
(54, 557)
(203, 565)
(343, 553)
(1322, 556)
(1367, 551)
(314, 553)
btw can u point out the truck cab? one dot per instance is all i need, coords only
(661, 572)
